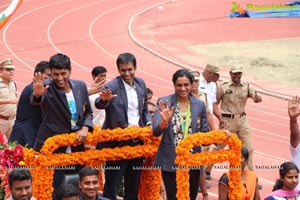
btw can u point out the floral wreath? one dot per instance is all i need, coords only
(184, 160)
(150, 179)
(10, 156)
(45, 161)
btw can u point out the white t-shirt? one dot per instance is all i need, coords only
(211, 91)
(72, 107)
(295, 158)
(73, 110)
(98, 114)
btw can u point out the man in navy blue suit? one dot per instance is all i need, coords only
(125, 102)
(28, 117)
(65, 108)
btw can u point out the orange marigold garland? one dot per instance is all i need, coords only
(182, 184)
(45, 160)
(41, 175)
(150, 181)
(150, 178)
(184, 160)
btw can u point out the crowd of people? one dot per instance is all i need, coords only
(56, 104)
(20, 184)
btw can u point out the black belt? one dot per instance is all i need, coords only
(232, 116)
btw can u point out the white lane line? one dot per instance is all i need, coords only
(58, 18)
(13, 21)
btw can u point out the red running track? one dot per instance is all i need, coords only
(96, 32)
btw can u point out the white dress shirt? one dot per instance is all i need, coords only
(133, 105)
(211, 91)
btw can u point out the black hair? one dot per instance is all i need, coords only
(41, 67)
(18, 175)
(149, 91)
(181, 73)
(87, 171)
(98, 70)
(126, 58)
(150, 103)
(60, 61)
(66, 190)
(283, 170)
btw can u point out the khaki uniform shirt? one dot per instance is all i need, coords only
(234, 98)
(8, 91)
(202, 96)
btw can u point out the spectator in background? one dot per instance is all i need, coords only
(151, 109)
(202, 96)
(178, 115)
(8, 97)
(294, 112)
(89, 184)
(67, 192)
(208, 79)
(28, 117)
(65, 109)
(99, 78)
(149, 95)
(249, 179)
(208, 85)
(285, 186)
(20, 185)
(124, 100)
(151, 106)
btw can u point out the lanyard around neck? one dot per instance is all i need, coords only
(185, 123)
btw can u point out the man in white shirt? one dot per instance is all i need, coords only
(208, 85)
(99, 78)
(208, 79)
(294, 112)
(125, 102)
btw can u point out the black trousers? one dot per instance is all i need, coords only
(170, 184)
(115, 170)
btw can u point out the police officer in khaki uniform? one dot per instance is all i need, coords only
(233, 96)
(8, 97)
(202, 96)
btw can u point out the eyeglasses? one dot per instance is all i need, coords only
(8, 69)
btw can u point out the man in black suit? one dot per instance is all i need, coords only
(125, 102)
(28, 117)
(65, 108)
